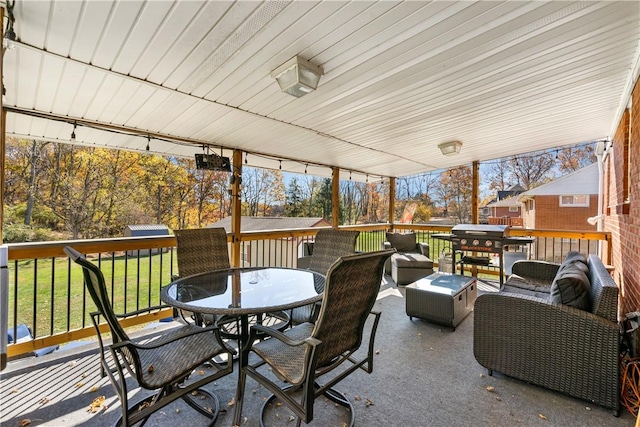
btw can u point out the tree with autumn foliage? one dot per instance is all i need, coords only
(455, 192)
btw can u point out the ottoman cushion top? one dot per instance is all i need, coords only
(411, 260)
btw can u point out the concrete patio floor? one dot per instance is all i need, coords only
(424, 375)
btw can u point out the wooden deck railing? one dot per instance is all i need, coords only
(46, 290)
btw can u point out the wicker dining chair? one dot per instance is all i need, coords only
(201, 250)
(162, 363)
(302, 355)
(329, 245)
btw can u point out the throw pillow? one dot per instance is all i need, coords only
(574, 257)
(402, 242)
(571, 287)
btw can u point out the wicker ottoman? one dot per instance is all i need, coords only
(441, 298)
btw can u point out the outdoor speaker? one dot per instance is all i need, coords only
(213, 162)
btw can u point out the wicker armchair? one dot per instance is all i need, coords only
(302, 355)
(556, 346)
(162, 363)
(329, 245)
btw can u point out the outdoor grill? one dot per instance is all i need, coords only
(484, 239)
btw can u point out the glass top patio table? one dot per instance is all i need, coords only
(244, 291)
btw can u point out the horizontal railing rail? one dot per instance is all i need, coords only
(47, 293)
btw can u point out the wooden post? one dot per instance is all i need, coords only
(392, 200)
(236, 208)
(475, 192)
(335, 197)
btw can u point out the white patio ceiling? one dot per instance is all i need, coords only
(504, 78)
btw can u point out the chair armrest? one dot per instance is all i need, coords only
(304, 262)
(280, 336)
(423, 248)
(537, 270)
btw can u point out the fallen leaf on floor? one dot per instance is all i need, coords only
(25, 422)
(94, 389)
(72, 363)
(232, 402)
(498, 399)
(542, 416)
(491, 389)
(278, 404)
(587, 408)
(201, 372)
(356, 398)
(203, 397)
(80, 384)
(254, 391)
(419, 334)
(97, 404)
(44, 400)
(84, 375)
(177, 410)
(481, 375)
(150, 369)
(194, 393)
(377, 351)
(291, 418)
(14, 391)
(368, 403)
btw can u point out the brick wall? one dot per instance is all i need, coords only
(550, 215)
(622, 204)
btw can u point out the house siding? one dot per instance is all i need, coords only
(622, 215)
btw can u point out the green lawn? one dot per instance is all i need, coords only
(61, 301)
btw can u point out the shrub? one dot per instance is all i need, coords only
(16, 233)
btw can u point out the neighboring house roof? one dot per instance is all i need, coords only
(146, 230)
(504, 203)
(513, 191)
(262, 223)
(582, 181)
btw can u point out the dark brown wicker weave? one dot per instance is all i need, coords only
(200, 250)
(329, 245)
(162, 363)
(304, 353)
(552, 345)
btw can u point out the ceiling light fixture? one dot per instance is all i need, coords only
(450, 148)
(297, 77)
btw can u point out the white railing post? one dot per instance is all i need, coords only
(4, 304)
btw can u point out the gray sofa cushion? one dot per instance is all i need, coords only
(571, 287)
(411, 260)
(402, 242)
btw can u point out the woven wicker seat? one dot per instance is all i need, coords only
(162, 363)
(302, 355)
(329, 245)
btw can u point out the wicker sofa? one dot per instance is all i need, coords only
(521, 333)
